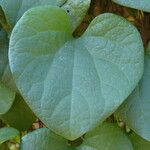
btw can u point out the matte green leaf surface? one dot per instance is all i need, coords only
(139, 143)
(8, 134)
(13, 10)
(135, 111)
(137, 4)
(19, 116)
(66, 81)
(105, 137)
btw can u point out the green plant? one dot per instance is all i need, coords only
(73, 85)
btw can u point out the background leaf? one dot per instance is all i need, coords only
(4, 146)
(6, 95)
(14, 10)
(19, 116)
(139, 143)
(107, 136)
(137, 4)
(3, 52)
(77, 10)
(44, 139)
(135, 110)
(7, 79)
(6, 99)
(8, 133)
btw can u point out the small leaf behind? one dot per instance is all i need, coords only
(19, 116)
(137, 4)
(8, 133)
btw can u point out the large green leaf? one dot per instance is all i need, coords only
(13, 10)
(135, 111)
(8, 134)
(139, 143)
(19, 116)
(105, 137)
(108, 136)
(137, 4)
(74, 84)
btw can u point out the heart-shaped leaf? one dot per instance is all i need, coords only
(8, 134)
(19, 116)
(137, 4)
(13, 10)
(135, 111)
(74, 84)
(139, 143)
(105, 137)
